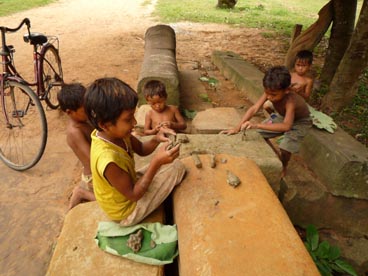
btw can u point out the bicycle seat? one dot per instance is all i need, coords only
(35, 38)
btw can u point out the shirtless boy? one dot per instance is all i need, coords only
(291, 120)
(161, 114)
(78, 137)
(301, 81)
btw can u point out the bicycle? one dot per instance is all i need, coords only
(23, 136)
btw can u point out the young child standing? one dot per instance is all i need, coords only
(291, 120)
(78, 137)
(161, 115)
(110, 104)
(301, 81)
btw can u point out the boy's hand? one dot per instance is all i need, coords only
(248, 125)
(166, 124)
(164, 156)
(161, 137)
(229, 131)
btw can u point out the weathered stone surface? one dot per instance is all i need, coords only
(339, 160)
(213, 120)
(245, 75)
(307, 201)
(159, 62)
(234, 231)
(76, 252)
(253, 147)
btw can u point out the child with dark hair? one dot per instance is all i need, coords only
(110, 104)
(161, 114)
(291, 118)
(78, 137)
(301, 81)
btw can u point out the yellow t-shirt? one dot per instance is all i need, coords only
(115, 204)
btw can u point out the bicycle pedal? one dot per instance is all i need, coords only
(18, 113)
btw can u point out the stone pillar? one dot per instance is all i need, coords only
(159, 62)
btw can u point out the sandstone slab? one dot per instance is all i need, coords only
(234, 231)
(76, 252)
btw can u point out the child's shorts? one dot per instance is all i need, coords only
(292, 138)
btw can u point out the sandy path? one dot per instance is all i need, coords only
(97, 38)
(33, 203)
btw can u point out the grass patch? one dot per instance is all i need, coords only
(12, 6)
(276, 15)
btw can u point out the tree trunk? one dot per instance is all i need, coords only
(226, 4)
(344, 84)
(341, 33)
(308, 39)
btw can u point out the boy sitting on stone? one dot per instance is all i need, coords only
(291, 120)
(161, 114)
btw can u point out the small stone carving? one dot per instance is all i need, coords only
(182, 138)
(173, 141)
(244, 135)
(197, 161)
(135, 241)
(232, 179)
(213, 161)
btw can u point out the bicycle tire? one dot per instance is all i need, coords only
(52, 75)
(23, 136)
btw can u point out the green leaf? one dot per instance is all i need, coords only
(312, 236)
(190, 114)
(322, 121)
(336, 268)
(204, 97)
(346, 267)
(334, 253)
(323, 250)
(324, 269)
(213, 81)
(204, 79)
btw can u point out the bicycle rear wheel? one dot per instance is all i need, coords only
(23, 125)
(52, 74)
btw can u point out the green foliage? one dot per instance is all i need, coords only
(353, 118)
(190, 114)
(325, 256)
(276, 15)
(12, 6)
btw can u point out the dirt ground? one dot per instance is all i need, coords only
(98, 38)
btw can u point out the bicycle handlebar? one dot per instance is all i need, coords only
(24, 21)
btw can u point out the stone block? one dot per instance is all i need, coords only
(252, 147)
(245, 75)
(76, 252)
(213, 120)
(339, 161)
(307, 201)
(224, 230)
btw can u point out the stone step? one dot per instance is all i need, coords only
(234, 231)
(76, 252)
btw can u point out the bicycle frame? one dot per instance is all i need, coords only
(11, 73)
(22, 112)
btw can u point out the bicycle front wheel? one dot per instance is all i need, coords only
(23, 133)
(52, 74)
